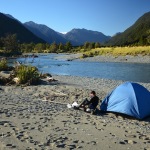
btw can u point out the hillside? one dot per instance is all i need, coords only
(138, 33)
(45, 33)
(12, 26)
(80, 36)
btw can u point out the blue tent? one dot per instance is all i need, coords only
(128, 98)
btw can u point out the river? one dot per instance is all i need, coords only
(118, 71)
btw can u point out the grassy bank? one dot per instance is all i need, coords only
(20, 74)
(117, 51)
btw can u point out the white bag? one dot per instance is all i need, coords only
(75, 104)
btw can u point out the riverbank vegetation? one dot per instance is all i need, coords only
(88, 49)
(27, 74)
(21, 74)
(10, 46)
(3, 65)
(117, 51)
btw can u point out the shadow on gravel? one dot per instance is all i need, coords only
(123, 116)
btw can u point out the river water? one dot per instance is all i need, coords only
(118, 71)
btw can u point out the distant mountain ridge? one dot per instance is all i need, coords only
(80, 36)
(40, 31)
(137, 33)
(10, 25)
(45, 33)
(75, 36)
(29, 32)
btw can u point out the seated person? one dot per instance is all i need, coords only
(92, 104)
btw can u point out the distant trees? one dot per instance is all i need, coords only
(45, 47)
(68, 46)
(88, 45)
(53, 48)
(39, 47)
(10, 44)
(27, 48)
(1, 43)
(148, 40)
(61, 47)
(97, 45)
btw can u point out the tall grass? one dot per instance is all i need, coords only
(3, 64)
(27, 74)
(118, 51)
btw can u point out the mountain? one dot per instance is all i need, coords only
(45, 33)
(80, 36)
(139, 32)
(10, 16)
(10, 25)
(75, 36)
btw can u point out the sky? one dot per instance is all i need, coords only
(106, 16)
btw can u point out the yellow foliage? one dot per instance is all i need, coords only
(118, 51)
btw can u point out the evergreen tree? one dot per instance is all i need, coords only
(97, 45)
(86, 45)
(61, 46)
(10, 43)
(92, 45)
(53, 47)
(68, 46)
(39, 47)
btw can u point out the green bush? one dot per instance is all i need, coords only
(27, 74)
(3, 65)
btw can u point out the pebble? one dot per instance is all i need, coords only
(148, 148)
(131, 136)
(9, 145)
(6, 124)
(52, 144)
(130, 142)
(122, 142)
(60, 145)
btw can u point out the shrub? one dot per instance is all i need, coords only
(3, 65)
(27, 74)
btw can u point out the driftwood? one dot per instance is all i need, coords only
(5, 74)
(53, 102)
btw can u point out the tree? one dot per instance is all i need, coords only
(47, 46)
(148, 40)
(86, 45)
(61, 46)
(39, 47)
(1, 43)
(143, 40)
(92, 45)
(97, 45)
(27, 48)
(68, 46)
(11, 43)
(53, 47)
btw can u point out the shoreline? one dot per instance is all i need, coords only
(107, 58)
(93, 83)
(36, 117)
(100, 58)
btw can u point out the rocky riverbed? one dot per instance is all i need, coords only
(107, 58)
(37, 117)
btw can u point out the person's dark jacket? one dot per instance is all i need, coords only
(94, 101)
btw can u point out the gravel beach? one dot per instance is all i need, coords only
(107, 58)
(37, 118)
